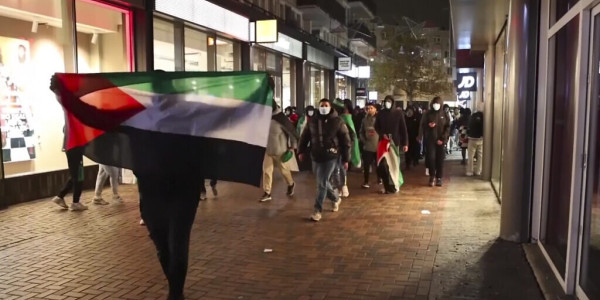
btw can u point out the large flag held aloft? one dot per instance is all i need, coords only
(213, 125)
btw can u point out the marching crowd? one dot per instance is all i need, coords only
(335, 136)
(327, 139)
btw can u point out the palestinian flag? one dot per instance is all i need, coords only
(211, 125)
(355, 150)
(388, 165)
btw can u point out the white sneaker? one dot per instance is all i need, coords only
(336, 205)
(142, 222)
(469, 174)
(117, 198)
(100, 201)
(345, 191)
(426, 171)
(78, 206)
(365, 186)
(203, 196)
(316, 216)
(60, 202)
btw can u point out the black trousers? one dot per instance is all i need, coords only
(74, 161)
(435, 160)
(414, 151)
(168, 208)
(369, 159)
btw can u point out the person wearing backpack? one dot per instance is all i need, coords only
(329, 141)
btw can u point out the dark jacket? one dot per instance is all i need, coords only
(328, 137)
(476, 126)
(412, 126)
(440, 132)
(391, 121)
(368, 135)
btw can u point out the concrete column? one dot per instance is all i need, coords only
(519, 120)
(143, 36)
(301, 84)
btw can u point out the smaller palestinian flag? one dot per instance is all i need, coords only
(388, 165)
(200, 125)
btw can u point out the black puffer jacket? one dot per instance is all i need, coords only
(441, 131)
(328, 137)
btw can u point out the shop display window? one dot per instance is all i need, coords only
(196, 50)
(164, 45)
(228, 55)
(36, 41)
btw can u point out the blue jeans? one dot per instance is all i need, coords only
(324, 189)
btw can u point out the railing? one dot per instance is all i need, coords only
(360, 31)
(334, 9)
(370, 4)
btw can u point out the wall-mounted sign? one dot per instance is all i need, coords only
(364, 72)
(285, 44)
(373, 95)
(361, 92)
(464, 96)
(466, 82)
(344, 63)
(206, 14)
(266, 31)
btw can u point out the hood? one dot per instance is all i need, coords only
(277, 110)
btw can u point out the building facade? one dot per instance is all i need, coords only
(89, 36)
(538, 61)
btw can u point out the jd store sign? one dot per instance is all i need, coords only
(466, 82)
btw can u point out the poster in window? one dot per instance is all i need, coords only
(17, 130)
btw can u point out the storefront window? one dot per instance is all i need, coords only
(31, 120)
(228, 55)
(590, 254)
(288, 92)
(498, 113)
(196, 50)
(102, 38)
(164, 45)
(558, 189)
(559, 8)
(317, 85)
(341, 87)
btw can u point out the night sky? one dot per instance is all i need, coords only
(437, 11)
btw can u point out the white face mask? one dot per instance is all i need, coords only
(310, 113)
(324, 110)
(436, 106)
(388, 105)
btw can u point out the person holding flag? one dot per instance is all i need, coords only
(170, 129)
(282, 140)
(393, 135)
(344, 110)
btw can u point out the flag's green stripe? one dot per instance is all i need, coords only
(245, 86)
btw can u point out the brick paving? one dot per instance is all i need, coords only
(375, 247)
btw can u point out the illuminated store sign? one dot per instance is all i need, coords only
(466, 82)
(207, 14)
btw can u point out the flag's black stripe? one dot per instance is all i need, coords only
(148, 152)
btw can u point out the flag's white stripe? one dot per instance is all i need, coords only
(202, 116)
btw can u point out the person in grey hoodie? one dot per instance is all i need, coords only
(282, 138)
(369, 139)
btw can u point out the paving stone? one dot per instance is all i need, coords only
(375, 247)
